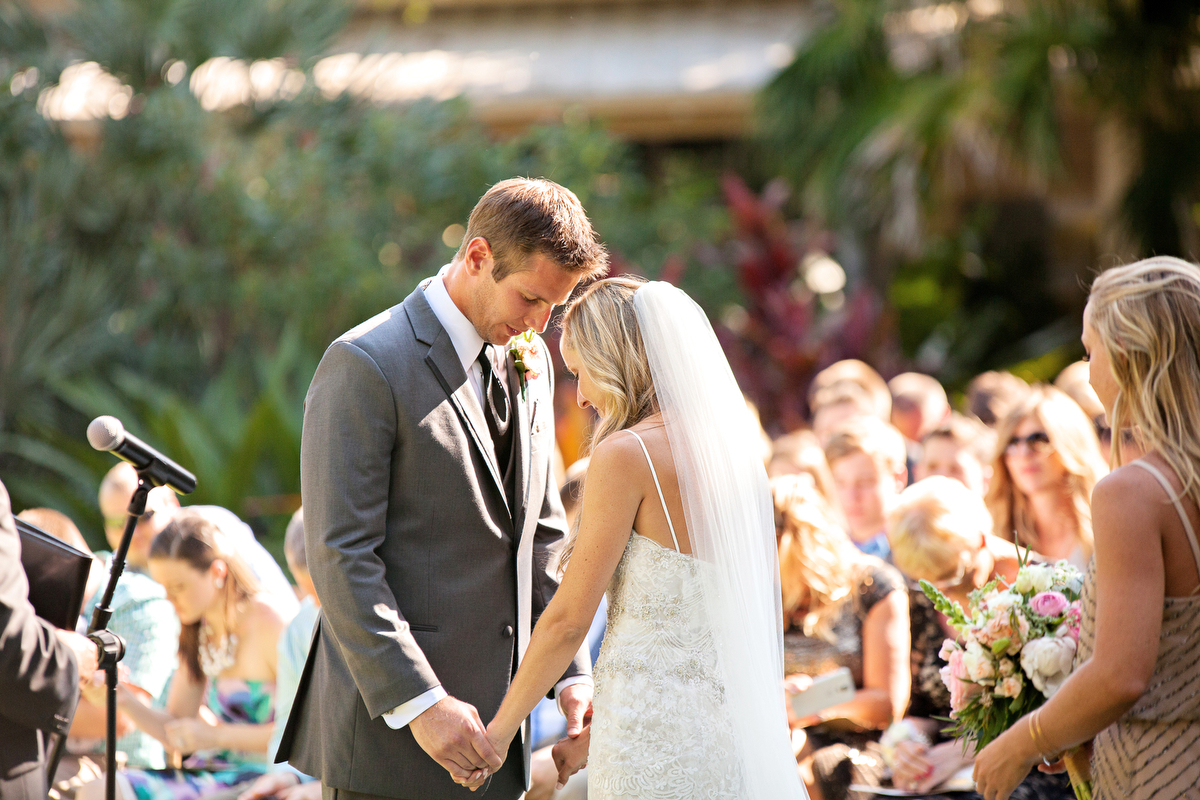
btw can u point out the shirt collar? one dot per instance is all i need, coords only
(466, 340)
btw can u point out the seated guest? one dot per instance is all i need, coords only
(851, 370)
(40, 671)
(837, 404)
(962, 449)
(162, 506)
(145, 620)
(867, 460)
(841, 608)
(941, 532)
(800, 453)
(843, 391)
(1073, 381)
(1047, 462)
(990, 395)
(285, 781)
(228, 660)
(919, 406)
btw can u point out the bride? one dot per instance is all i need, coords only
(677, 525)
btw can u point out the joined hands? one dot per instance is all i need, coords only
(576, 704)
(452, 733)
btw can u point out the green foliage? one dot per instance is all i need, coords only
(945, 606)
(188, 273)
(931, 151)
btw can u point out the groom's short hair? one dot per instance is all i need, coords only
(523, 216)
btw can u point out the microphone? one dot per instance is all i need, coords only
(107, 434)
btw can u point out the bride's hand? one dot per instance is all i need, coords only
(476, 778)
(570, 755)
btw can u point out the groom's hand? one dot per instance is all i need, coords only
(451, 732)
(576, 703)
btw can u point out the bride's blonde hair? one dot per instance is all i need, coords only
(601, 328)
(1147, 317)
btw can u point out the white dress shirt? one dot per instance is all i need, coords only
(467, 344)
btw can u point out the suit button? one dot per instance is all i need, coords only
(507, 632)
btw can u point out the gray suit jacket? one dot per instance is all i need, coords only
(410, 541)
(39, 680)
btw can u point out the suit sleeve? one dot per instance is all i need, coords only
(548, 542)
(350, 431)
(39, 679)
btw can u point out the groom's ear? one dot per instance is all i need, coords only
(478, 258)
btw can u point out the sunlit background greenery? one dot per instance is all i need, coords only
(184, 269)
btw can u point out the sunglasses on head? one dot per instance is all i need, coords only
(1038, 442)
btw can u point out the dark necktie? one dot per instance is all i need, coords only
(497, 411)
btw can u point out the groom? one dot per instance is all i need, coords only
(432, 519)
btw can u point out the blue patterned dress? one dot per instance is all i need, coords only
(231, 701)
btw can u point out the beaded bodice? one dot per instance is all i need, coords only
(656, 616)
(660, 727)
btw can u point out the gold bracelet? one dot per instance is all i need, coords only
(1039, 738)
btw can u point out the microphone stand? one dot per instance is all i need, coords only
(110, 647)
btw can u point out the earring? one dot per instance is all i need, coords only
(219, 583)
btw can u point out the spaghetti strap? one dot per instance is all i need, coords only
(658, 486)
(1187, 523)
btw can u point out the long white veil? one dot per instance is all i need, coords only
(730, 521)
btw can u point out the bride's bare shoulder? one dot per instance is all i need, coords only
(620, 454)
(619, 450)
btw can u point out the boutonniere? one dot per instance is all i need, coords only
(524, 350)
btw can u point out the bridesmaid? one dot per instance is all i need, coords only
(1136, 686)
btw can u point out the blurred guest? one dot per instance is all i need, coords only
(228, 656)
(941, 532)
(837, 404)
(800, 453)
(990, 395)
(962, 449)
(142, 617)
(285, 781)
(841, 608)
(919, 406)
(1135, 689)
(1047, 463)
(162, 506)
(867, 460)
(40, 671)
(853, 371)
(1073, 381)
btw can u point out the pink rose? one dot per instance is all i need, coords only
(1049, 604)
(953, 676)
(1071, 622)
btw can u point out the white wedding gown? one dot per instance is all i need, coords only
(661, 729)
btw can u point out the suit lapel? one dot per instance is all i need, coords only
(443, 361)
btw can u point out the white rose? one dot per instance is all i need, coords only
(1048, 661)
(1034, 578)
(978, 663)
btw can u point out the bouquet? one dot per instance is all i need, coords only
(1018, 646)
